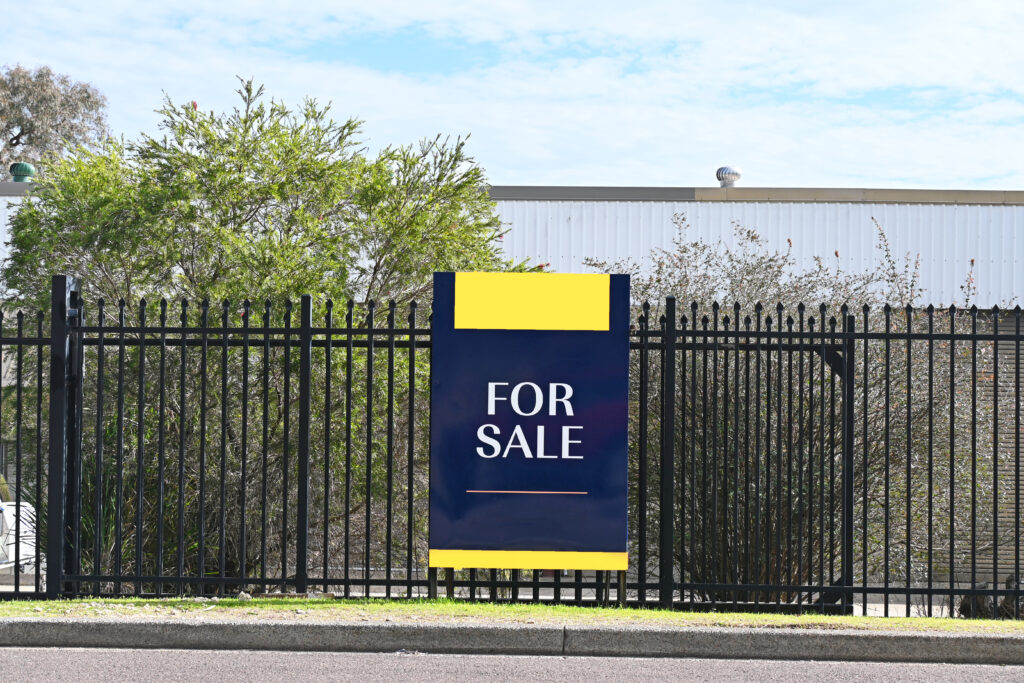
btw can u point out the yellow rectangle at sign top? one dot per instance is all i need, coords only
(532, 301)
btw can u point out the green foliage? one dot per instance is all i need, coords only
(262, 202)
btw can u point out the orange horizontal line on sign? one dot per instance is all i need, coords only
(565, 493)
(527, 559)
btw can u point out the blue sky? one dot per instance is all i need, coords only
(867, 94)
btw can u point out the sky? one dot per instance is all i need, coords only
(914, 94)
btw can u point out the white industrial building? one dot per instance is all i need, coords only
(564, 226)
(10, 195)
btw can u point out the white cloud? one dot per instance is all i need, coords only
(660, 93)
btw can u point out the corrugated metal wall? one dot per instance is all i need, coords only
(947, 236)
(5, 215)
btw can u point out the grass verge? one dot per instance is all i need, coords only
(463, 612)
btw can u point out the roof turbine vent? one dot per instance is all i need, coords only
(727, 175)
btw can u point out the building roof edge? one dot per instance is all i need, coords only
(753, 194)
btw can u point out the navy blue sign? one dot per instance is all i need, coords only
(528, 447)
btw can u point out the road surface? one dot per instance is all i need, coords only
(78, 664)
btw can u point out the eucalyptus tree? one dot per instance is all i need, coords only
(44, 112)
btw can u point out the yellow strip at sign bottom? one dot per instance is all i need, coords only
(528, 559)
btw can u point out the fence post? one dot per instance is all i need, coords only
(848, 429)
(666, 585)
(305, 362)
(76, 384)
(64, 298)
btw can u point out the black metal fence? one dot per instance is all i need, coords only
(786, 460)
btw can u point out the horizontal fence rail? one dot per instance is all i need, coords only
(841, 461)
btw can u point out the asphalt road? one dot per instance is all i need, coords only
(77, 664)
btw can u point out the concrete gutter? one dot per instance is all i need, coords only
(723, 643)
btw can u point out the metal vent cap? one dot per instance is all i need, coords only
(727, 175)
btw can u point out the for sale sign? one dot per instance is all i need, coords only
(528, 449)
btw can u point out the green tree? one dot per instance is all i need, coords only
(42, 112)
(261, 202)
